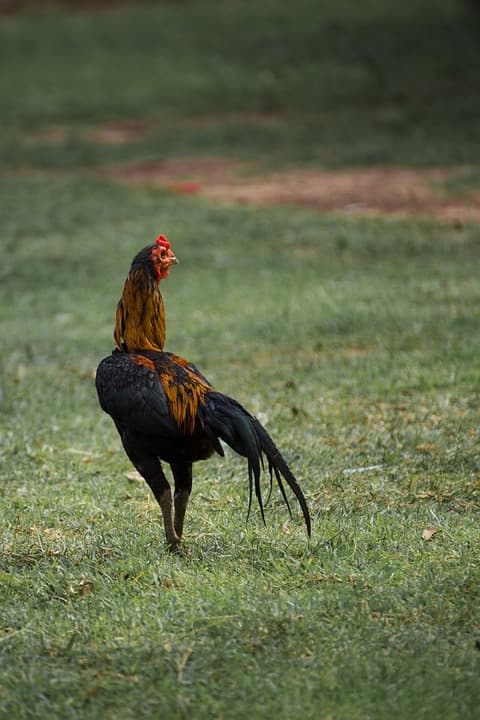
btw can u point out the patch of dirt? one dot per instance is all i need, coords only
(355, 190)
(202, 174)
(385, 190)
(119, 133)
(376, 190)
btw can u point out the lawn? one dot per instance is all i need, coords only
(330, 84)
(355, 340)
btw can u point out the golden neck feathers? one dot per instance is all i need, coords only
(140, 316)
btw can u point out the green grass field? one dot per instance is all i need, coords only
(355, 341)
(336, 83)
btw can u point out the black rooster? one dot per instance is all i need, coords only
(165, 409)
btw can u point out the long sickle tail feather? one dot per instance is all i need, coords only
(252, 449)
(281, 469)
(227, 419)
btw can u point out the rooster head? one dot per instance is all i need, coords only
(155, 259)
(162, 257)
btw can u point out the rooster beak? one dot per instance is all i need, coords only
(171, 258)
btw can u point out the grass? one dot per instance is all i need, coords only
(384, 82)
(354, 340)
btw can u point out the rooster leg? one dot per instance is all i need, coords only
(163, 496)
(182, 473)
(150, 469)
(165, 502)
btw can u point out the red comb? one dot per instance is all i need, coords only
(163, 242)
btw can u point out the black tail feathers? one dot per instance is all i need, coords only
(227, 419)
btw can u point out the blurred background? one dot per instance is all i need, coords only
(323, 84)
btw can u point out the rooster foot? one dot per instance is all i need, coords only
(175, 546)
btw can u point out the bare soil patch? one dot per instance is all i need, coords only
(380, 190)
(374, 190)
(205, 173)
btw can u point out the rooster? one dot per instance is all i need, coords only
(165, 409)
